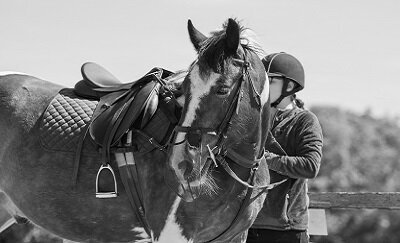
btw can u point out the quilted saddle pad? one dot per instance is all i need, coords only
(65, 121)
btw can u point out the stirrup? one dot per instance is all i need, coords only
(109, 194)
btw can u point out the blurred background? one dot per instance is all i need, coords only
(349, 49)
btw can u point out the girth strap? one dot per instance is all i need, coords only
(129, 176)
(128, 172)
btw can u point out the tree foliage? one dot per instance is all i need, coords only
(360, 153)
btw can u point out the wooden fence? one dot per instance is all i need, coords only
(360, 200)
(321, 201)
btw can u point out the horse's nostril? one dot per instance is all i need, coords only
(187, 167)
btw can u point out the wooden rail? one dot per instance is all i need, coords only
(318, 202)
(357, 200)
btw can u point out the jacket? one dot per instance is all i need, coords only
(294, 152)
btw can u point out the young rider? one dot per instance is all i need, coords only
(294, 152)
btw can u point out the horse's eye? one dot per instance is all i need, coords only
(224, 90)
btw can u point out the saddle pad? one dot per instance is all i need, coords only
(65, 121)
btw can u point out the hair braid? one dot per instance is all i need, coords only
(299, 103)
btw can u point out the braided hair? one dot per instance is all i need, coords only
(299, 103)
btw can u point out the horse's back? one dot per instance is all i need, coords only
(23, 99)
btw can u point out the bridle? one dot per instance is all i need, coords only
(194, 134)
(220, 151)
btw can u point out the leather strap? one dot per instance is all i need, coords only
(128, 171)
(129, 176)
(245, 203)
(77, 157)
(228, 170)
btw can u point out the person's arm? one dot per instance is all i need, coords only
(308, 143)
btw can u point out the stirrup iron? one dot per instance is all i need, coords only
(109, 194)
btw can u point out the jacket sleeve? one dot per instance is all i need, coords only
(307, 159)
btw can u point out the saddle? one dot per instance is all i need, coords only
(121, 106)
(121, 109)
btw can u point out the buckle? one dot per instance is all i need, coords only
(106, 194)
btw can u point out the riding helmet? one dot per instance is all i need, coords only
(286, 66)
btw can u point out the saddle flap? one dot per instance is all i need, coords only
(144, 105)
(151, 107)
(112, 122)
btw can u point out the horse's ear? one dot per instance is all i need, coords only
(195, 36)
(232, 36)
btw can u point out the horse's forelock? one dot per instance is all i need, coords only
(248, 40)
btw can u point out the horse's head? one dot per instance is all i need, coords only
(226, 108)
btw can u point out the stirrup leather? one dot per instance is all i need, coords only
(109, 194)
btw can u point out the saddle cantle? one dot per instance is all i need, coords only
(98, 76)
(94, 77)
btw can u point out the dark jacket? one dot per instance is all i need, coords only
(295, 151)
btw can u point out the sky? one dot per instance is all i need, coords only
(350, 49)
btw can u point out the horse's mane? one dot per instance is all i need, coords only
(248, 40)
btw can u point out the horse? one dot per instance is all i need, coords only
(206, 184)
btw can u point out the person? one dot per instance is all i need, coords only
(293, 152)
